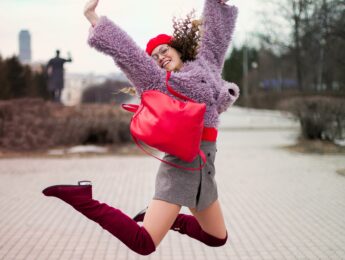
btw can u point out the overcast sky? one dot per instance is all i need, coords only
(55, 24)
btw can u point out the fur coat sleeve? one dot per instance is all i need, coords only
(218, 26)
(228, 94)
(138, 66)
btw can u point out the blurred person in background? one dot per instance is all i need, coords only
(55, 73)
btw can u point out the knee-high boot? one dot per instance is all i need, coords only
(189, 225)
(109, 218)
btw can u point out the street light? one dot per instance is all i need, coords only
(319, 81)
(245, 75)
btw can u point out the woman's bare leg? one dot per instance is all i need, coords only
(213, 233)
(211, 220)
(159, 218)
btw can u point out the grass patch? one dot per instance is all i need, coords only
(316, 147)
(341, 172)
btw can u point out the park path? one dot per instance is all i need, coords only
(278, 204)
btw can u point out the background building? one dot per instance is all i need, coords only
(24, 46)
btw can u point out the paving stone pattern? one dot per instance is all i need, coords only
(277, 204)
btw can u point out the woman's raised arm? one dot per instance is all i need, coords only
(218, 26)
(109, 38)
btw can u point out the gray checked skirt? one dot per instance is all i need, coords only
(193, 189)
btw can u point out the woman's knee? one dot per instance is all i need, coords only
(145, 244)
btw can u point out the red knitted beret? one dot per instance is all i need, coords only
(156, 41)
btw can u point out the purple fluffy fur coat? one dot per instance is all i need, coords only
(199, 79)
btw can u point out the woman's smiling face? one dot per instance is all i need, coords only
(167, 57)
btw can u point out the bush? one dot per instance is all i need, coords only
(107, 92)
(320, 117)
(34, 124)
(18, 80)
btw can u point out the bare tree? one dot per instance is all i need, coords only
(313, 33)
(285, 24)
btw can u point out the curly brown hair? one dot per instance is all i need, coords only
(186, 36)
(186, 39)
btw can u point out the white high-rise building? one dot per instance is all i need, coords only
(24, 46)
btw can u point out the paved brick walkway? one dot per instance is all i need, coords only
(277, 204)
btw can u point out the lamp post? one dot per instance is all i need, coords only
(245, 75)
(319, 78)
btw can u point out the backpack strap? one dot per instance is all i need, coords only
(201, 153)
(175, 93)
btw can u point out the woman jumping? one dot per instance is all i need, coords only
(195, 60)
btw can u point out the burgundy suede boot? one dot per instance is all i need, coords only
(109, 218)
(187, 224)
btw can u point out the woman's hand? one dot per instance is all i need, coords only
(90, 13)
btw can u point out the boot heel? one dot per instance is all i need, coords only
(82, 183)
